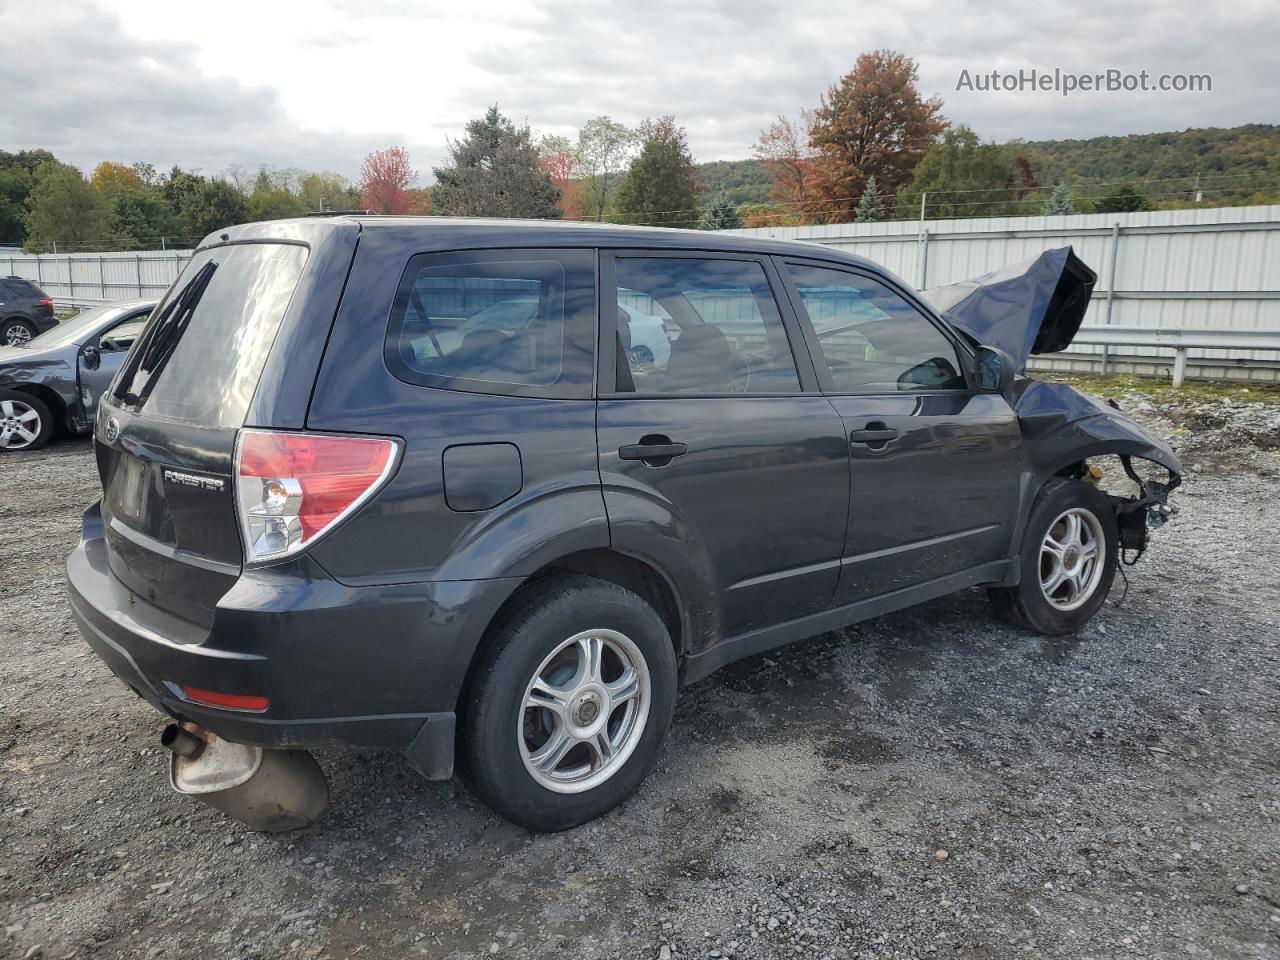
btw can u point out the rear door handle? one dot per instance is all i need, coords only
(875, 434)
(652, 451)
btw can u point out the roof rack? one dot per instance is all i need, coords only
(338, 213)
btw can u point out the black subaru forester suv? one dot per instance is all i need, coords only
(396, 482)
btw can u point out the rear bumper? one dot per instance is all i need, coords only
(374, 666)
(44, 323)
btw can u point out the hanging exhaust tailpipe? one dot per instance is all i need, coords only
(267, 790)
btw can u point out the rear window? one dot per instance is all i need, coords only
(496, 321)
(202, 354)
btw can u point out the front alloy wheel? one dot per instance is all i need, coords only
(1067, 560)
(21, 424)
(1072, 558)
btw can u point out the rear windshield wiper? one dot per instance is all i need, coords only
(165, 336)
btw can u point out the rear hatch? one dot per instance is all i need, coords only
(165, 436)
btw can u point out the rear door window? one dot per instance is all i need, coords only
(497, 321)
(203, 351)
(700, 325)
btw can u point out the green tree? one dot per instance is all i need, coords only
(604, 149)
(493, 171)
(327, 191)
(723, 215)
(965, 177)
(63, 210)
(1059, 202)
(17, 176)
(137, 214)
(661, 188)
(872, 122)
(272, 199)
(1124, 199)
(869, 203)
(210, 205)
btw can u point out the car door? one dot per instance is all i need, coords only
(729, 435)
(100, 358)
(934, 465)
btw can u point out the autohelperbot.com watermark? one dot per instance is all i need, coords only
(1067, 82)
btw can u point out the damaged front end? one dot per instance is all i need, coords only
(1036, 307)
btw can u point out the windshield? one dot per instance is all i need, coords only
(78, 328)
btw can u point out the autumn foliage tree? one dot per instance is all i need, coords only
(386, 181)
(558, 159)
(785, 152)
(872, 122)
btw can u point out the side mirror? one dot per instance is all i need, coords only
(92, 358)
(995, 370)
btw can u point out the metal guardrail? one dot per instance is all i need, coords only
(1179, 340)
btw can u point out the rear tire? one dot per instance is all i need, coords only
(17, 330)
(25, 421)
(569, 704)
(1070, 550)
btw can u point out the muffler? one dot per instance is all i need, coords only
(267, 790)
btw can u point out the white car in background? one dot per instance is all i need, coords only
(650, 344)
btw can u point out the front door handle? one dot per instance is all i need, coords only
(658, 449)
(875, 434)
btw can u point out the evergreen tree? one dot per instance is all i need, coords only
(661, 188)
(1059, 202)
(869, 203)
(723, 215)
(494, 171)
(1125, 199)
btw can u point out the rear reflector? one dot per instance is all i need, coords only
(228, 701)
(292, 487)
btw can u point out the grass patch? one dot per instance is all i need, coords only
(1165, 391)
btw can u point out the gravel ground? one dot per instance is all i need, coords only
(928, 784)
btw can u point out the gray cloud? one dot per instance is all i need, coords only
(78, 83)
(79, 86)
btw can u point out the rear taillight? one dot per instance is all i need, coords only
(47, 302)
(292, 487)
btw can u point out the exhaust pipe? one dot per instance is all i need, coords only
(267, 790)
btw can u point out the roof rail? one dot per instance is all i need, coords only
(338, 213)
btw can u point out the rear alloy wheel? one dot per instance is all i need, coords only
(25, 423)
(1069, 555)
(17, 332)
(569, 704)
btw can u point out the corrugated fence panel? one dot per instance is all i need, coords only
(1213, 269)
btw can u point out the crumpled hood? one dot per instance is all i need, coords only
(1035, 306)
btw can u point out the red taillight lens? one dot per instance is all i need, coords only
(293, 486)
(47, 302)
(228, 701)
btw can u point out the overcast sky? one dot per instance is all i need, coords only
(318, 84)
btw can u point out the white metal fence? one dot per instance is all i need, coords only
(1213, 269)
(71, 277)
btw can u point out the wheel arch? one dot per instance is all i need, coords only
(645, 579)
(58, 408)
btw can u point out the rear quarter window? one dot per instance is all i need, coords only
(518, 322)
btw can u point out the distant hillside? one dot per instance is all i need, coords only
(1237, 165)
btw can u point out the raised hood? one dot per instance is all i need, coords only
(1035, 306)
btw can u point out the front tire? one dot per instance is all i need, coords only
(1070, 550)
(25, 421)
(569, 704)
